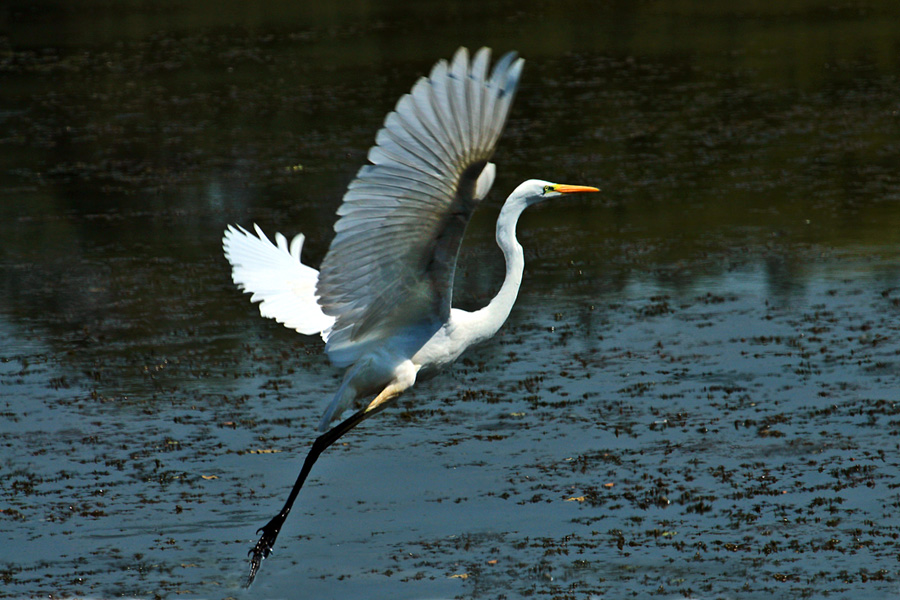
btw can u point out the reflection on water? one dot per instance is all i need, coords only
(701, 372)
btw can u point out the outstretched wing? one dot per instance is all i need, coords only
(390, 266)
(278, 280)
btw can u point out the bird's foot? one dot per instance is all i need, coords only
(264, 546)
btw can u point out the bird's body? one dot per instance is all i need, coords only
(381, 300)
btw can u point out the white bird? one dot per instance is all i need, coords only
(381, 300)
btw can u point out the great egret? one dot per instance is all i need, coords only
(382, 298)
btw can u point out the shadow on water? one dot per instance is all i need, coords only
(696, 396)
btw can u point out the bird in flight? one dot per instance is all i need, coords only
(381, 298)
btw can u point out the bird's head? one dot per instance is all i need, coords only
(537, 190)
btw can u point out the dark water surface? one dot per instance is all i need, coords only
(697, 395)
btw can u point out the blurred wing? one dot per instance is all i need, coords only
(284, 287)
(390, 266)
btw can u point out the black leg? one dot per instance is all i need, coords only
(271, 529)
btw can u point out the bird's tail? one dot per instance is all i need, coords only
(343, 399)
(273, 273)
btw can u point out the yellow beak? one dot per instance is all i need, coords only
(568, 189)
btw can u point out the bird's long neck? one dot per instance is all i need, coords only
(492, 317)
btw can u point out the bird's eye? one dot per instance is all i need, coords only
(548, 188)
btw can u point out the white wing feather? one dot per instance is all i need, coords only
(284, 286)
(389, 271)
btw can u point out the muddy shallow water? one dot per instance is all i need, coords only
(697, 394)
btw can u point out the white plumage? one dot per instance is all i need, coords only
(284, 286)
(382, 298)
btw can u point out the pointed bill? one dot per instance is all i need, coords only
(564, 188)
